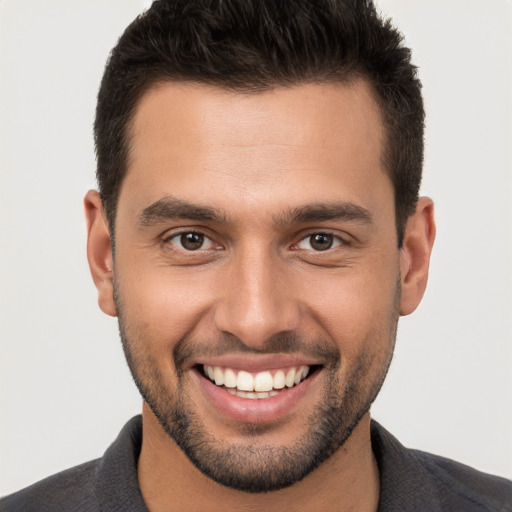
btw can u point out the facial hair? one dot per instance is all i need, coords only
(253, 466)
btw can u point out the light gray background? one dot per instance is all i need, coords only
(64, 388)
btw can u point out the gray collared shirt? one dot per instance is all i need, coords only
(410, 481)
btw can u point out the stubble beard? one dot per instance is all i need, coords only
(253, 466)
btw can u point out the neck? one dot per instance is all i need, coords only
(348, 480)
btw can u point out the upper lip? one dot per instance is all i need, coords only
(257, 363)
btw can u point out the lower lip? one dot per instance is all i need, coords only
(261, 410)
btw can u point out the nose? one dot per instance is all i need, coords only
(257, 299)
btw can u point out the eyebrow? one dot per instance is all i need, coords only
(320, 212)
(171, 208)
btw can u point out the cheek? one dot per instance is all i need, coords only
(161, 307)
(357, 309)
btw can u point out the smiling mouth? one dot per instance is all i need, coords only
(259, 385)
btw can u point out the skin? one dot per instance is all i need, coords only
(257, 159)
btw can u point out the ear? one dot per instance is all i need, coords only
(99, 252)
(419, 236)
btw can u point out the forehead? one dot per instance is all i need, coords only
(204, 143)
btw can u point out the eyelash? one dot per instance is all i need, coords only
(179, 236)
(336, 241)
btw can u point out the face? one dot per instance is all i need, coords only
(257, 275)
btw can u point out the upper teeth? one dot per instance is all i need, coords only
(261, 381)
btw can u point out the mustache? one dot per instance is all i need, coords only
(187, 348)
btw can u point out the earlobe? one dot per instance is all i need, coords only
(99, 252)
(415, 254)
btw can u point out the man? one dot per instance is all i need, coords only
(257, 233)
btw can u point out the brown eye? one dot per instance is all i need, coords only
(192, 241)
(321, 241)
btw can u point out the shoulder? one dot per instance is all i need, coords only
(419, 481)
(109, 483)
(73, 489)
(459, 483)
